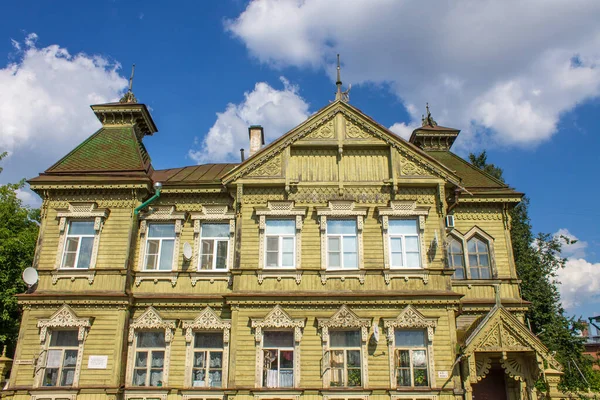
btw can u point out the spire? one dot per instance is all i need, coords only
(129, 97)
(339, 94)
(428, 121)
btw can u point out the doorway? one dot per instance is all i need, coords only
(492, 387)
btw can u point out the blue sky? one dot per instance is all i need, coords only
(519, 82)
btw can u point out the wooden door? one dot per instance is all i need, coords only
(492, 387)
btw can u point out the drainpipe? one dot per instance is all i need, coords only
(157, 187)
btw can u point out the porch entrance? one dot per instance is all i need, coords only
(492, 387)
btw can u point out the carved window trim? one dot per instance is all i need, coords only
(276, 319)
(78, 211)
(342, 209)
(213, 214)
(410, 318)
(343, 396)
(150, 320)
(403, 210)
(59, 394)
(474, 232)
(63, 318)
(413, 397)
(344, 319)
(280, 210)
(146, 395)
(206, 321)
(165, 214)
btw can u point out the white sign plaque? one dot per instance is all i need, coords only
(97, 362)
(443, 374)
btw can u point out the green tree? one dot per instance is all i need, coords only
(538, 258)
(18, 235)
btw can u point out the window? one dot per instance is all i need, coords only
(404, 243)
(341, 244)
(278, 348)
(149, 359)
(61, 360)
(79, 244)
(280, 236)
(411, 358)
(214, 247)
(479, 258)
(345, 358)
(159, 247)
(207, 366)
(456, 257)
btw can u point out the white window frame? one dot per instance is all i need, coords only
(402, 237)
(215, 240)
(345, 368)
(410, 319)
(398, 348)
(294, 351)
(160, 240)
(341, 209)
(276, 319)
(464, 239)
(341, 237)
(63, 350)
(63, 319)
(78, 251)
(206, 321)
(461, 242)
(149, 320)
(150, 351)
(280, 237)
(344, 319)
(208, 351)
(212, 214)
(403, 210)
(280, 210)
(76, 212)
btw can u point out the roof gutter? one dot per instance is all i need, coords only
(157, 187)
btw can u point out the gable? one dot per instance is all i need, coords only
(340, 143)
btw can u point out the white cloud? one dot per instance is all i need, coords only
(580, 283)
(572, 247)
(29, 198)
(276, 110)
(44, 104)
(500, 71)
(402, 130)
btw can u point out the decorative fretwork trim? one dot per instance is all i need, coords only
(405, 274)
(65, 317)
(156, 276)
(403, 209)
(280, 209)
(279, 274)
(55, 395)
(344, 318)
(72, 275)
(207, 320)
(277, 318)
(213, 213)
(161, 214)
(150, 320)
(409, 318)
(415, 396)
(342, 275)
(211, 276)
(341, 209)
(80, 211)
(153, 395)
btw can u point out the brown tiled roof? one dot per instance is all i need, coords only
(205, 173)
(109, 149)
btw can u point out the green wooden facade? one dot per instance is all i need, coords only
(322, 267)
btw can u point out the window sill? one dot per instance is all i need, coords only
(406, 274)
(211, 275)
(156, 276)
(343, 274)
(72, 274)
(279, 274)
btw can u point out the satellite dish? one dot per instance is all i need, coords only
(376, 333)
(187, 251)
(30, 276)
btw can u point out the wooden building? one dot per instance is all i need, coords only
(339, 262)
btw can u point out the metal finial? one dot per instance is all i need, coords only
(129, 97)
(339, 94)
(428, 120)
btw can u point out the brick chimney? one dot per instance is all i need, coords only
(257, 139)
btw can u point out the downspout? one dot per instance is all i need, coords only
(455, 203)
(157, 187)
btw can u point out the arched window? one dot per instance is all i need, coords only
(456, 257)
(479, 258)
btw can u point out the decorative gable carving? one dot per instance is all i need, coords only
(354, 132)
(410, 318)
(325, 131)
(278, 318)
(151, 319)
(207, 320)
(269, 169)
(65, 317)
(344, 318)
